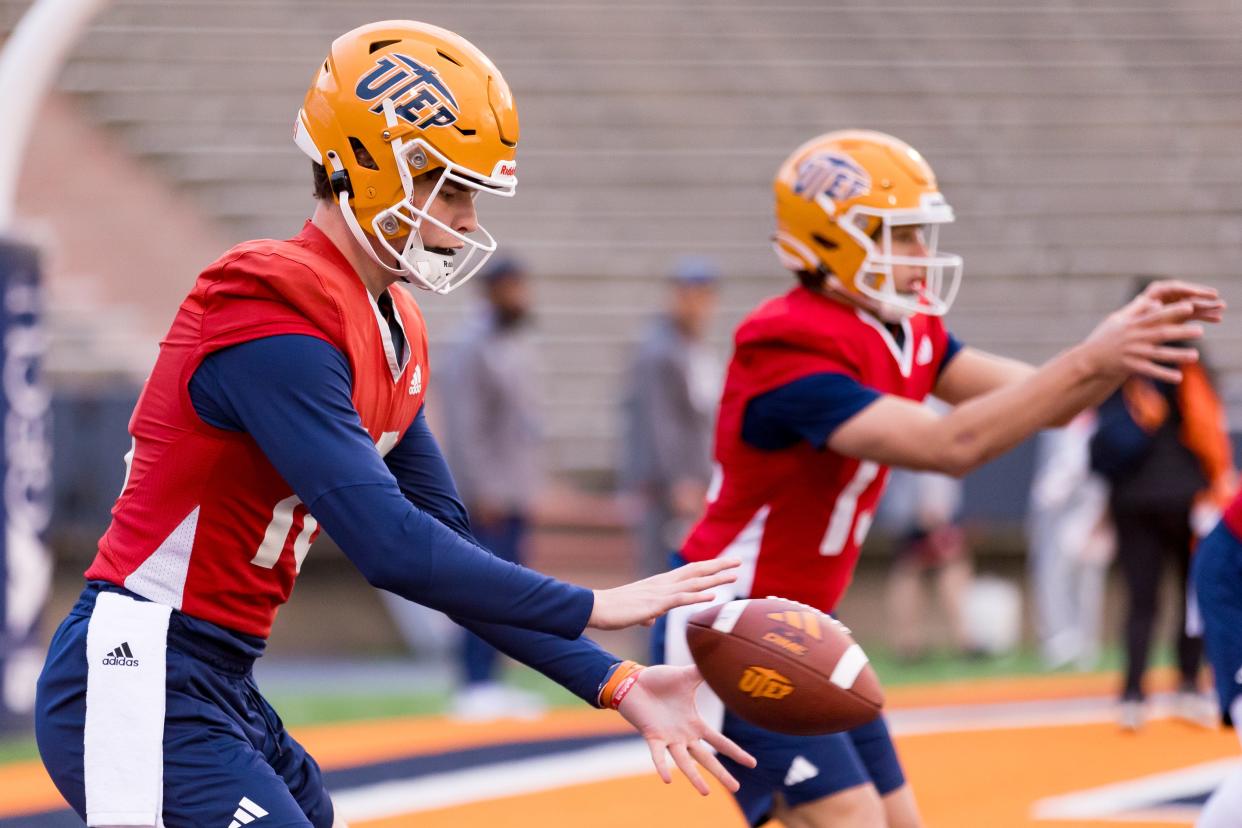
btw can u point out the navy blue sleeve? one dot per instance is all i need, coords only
(424, 477)
(951, 349)
(810, 409)
(291, 394)
(418, 465)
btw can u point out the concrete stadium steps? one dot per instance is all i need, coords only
(1113, 123)
(673, 164)
(1079, 143)
(591, 107)
(810, 78)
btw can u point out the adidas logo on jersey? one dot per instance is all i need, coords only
(800, 770)
(122, 656)
(246, 813)
(416, 382)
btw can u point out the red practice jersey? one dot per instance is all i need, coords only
(797, 516)
(1233, 515)
(204, 523)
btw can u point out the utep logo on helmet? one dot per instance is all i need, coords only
(833, 175)
(418, 95)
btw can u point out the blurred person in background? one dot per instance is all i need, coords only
(492, 442)
(1071, 542)
(921, 510)
(1165, 451)
(669, 402)
(287, 395)
(824, 393)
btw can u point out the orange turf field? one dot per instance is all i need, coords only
(989, 778)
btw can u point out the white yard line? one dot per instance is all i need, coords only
(630, 758)
(494, 781)
(1136, 795)
(1006, 715)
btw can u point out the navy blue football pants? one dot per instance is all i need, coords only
(224, 747)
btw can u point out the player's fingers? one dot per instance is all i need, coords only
(687, 766)
(1172, 333)
(719, 579)
(700, 569)
(1138, 364)
(1159, 372)
(685, 599)
(1171, 290)
(1139, 305)
(1165, 353)
(1180, 333)
(659, 758)
(709, 761)
(723, 744)
(1173, 312)
(1154, 370)
(1209, 310)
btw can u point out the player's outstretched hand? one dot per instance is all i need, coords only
(661, 707)
(1208, 306)
(642, 602)
(1149, 335)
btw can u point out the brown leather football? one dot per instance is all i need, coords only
(784, 666)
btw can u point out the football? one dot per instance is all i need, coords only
(784, 666)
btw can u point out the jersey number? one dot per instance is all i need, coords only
(283, 514)
(843, 513)
(278, 532)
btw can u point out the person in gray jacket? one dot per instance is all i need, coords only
(492, 438)
(668, 409)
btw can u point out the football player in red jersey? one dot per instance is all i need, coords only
(823, 395)
(1216, 570)
(288, 395)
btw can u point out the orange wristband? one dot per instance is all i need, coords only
(619, 684)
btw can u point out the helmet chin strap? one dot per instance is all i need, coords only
(363, 238)
(424, 263)
(351, 221)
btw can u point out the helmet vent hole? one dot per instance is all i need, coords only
(448, 57)
(362, 155)
(827, 244)
(380, 44)
(463, 131)
(325, 67)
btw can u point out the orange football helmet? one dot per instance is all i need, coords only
(396, 100)
(839, 195)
